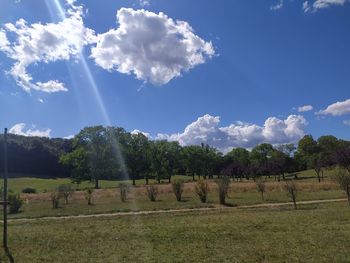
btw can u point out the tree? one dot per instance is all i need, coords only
(223, 187)
(178, 187)
(261, 186)
(292, 190)
(236, 163)
(93, 155)
(259, 158)
(342, 176)
(137, 156)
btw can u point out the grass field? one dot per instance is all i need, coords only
(107, 200)
(314, 233)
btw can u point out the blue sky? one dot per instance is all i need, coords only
(252, 64)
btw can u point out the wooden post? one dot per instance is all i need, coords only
(5, 190)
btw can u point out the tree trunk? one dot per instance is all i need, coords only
(262, 196)
(133, 181)
(193, 177)
(169, 179)
(96, 184)
(295, 204)
(146, 180)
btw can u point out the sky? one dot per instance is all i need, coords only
(227, 73)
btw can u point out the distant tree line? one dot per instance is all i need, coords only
(99, 152)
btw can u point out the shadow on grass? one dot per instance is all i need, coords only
(9, 255)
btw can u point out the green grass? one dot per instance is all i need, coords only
(317, 233)
(47, 185)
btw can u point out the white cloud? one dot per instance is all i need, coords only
(153, 47)
(45, 43)
(336, 109)
(141, 132)
(69, 137)
(19, 129)
(305, 108)
(144, 2)
(40, 100)
(321, 4)
(277, 6)
(347, 122)
(207, 129)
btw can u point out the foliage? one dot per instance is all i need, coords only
(124, 189)
(29, 190)
(152, 192)
(15, 203)
(202, 189)
(342, 176)
(65, 191)
(261, 186)
(223, 187)
(88, 195)
(291, 189)
(178, 187)
(55, 199)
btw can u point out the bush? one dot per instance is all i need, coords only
(202, 189)
(124, 190)
(65, 191)
(291, 188)
(15, 203)
(152, 192)
(178, 188)
(223, 187)
(55, 199)
(88, 195)
(261, 186)
(29, 190)
(342, 177)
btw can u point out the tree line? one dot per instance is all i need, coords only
(98, 152)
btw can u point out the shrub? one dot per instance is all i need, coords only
(88, 195)
(152, 192)
(124, 190)
(261, 186)
(65, 191)
(15, 203)
(342, 177)
(178, 188)
(55, 199)
(291, 188)
(202, 189)
(223, 187)
(29, 190)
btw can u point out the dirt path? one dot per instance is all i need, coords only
(266, 205)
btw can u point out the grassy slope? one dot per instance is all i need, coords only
(311, 234)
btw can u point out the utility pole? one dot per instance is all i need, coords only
(5, 190)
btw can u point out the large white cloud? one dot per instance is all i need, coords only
(207, 129)
(305, 108)
(337, 109)
(45, 43)
(153, 47)
(20, 129)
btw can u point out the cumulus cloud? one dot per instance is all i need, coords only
(305, 108)
(20, 129)
(277, 6)
(153, 47)
(321, 4)
(336, 109)
(206, 129)
(148, 135)
(45, 43)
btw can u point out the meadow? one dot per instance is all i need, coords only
(313, 233)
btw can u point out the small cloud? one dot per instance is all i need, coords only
(144, 2)
(40, 100)
(336, 109)
(347, 122)
(69, 137)
(277, 6)
(148, 135)
(305, 108)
